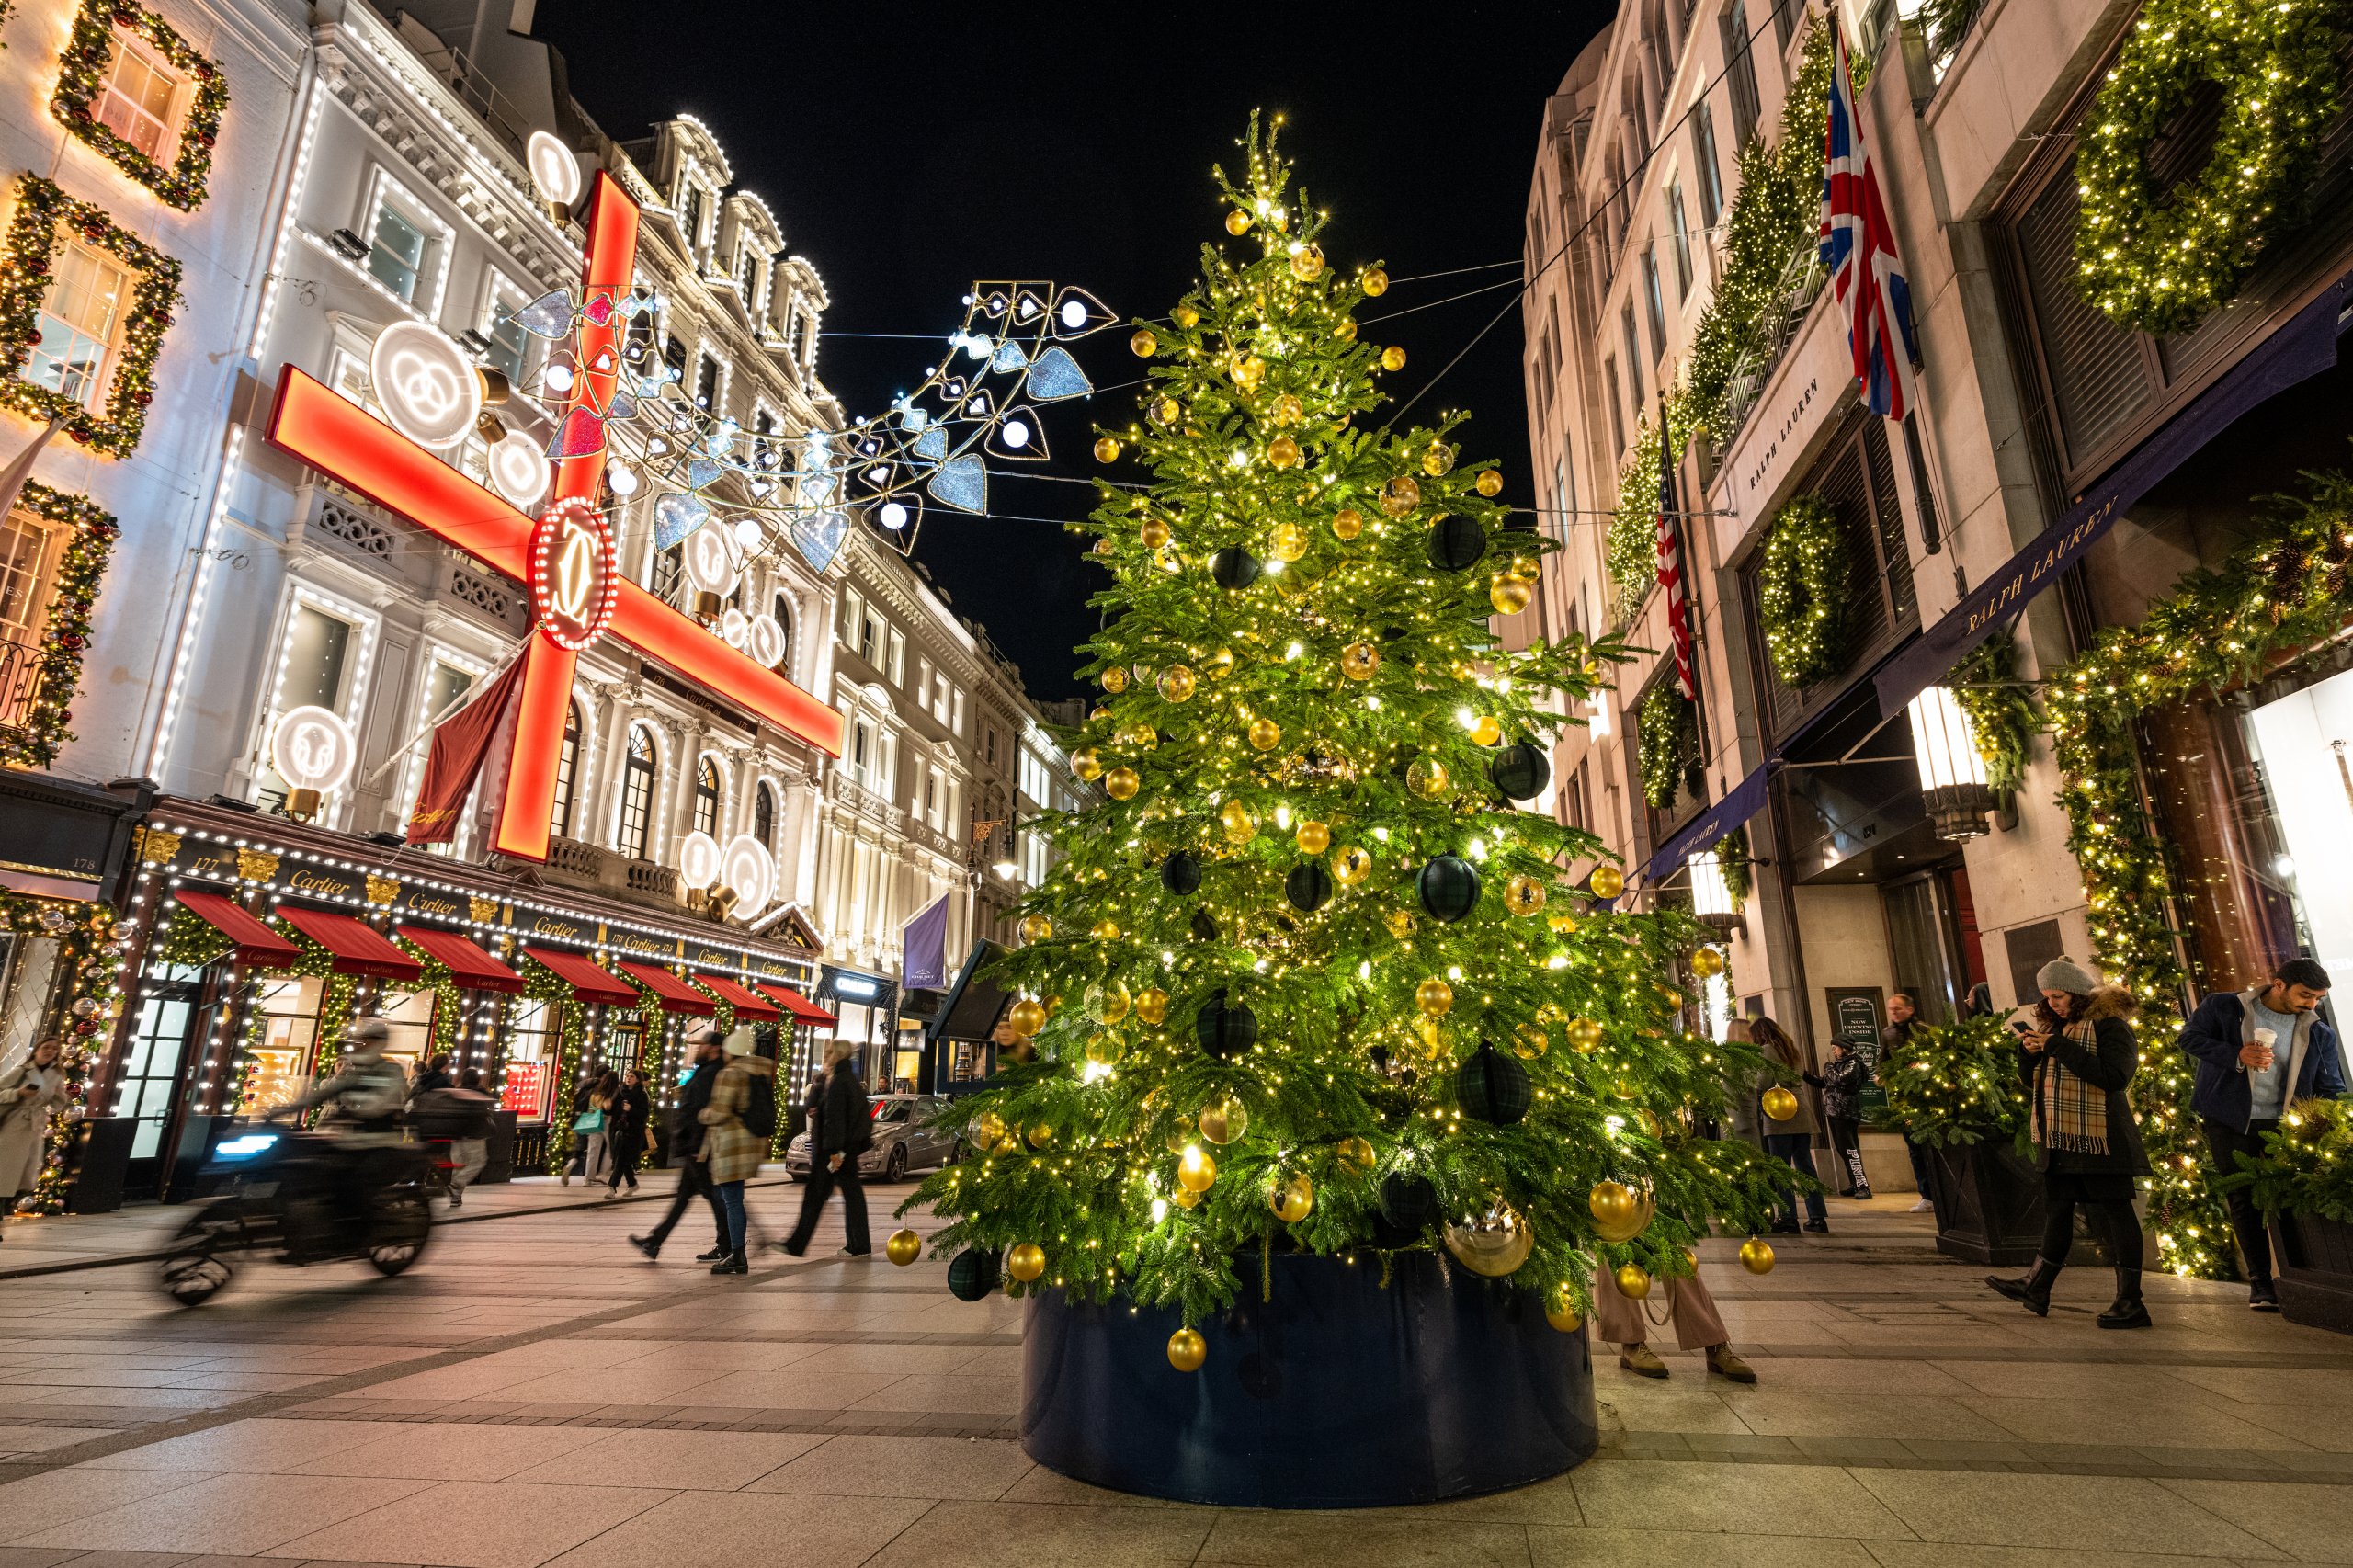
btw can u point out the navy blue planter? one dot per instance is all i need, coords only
(1337, 1394)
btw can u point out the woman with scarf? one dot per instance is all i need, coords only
(2079, 1057)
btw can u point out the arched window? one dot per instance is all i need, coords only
(567, 764)
(764, 815)
(707, 796)
(784, 622)
(637, 795)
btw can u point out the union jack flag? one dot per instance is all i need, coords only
(1875, 296)
(1670, 562)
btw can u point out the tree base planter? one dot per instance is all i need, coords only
(1989, 1204)
(1337, 1394)
(2314, 1269)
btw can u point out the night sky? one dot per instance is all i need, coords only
(909, 150)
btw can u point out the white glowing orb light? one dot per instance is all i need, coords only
(557, 378)
(748, 867)
(710, 561)
(1074, 314)
(621, 478)
(1016, 433)
(312, 748)
(553, 168)
(427, 384)
(519, 468)
(765, 641)
(748, 532)
(698, 859)
(894, 515)
(734, 628)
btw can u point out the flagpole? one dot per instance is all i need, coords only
(474, 690)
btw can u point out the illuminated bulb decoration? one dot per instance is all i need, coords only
(554, 171)
(698, 859)
(575, 580)
(519, 470)
(746, 866)
(312, 748)
(765, 641)
(425, 384)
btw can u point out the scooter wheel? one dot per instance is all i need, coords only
(404, 1224)
(197, 1265)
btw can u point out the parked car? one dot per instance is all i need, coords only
(905, 1140)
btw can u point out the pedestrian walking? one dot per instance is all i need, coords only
(739, 1125)
(468, 1132)
(842, 1131)
(1624, 1322)
(434, 1075)
(2245, 1084)
(625, 1132)
(1903, 1017)
(1790, 1142)
(589, 1128)
(705, 1058)
(29, 1093)
(1842, 1077)
(2078, 1056)
(576, 1163)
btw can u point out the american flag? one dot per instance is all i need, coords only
(1670, 562)
(1875, 296)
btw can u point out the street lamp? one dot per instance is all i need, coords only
(1712, 898)
(1953, 774)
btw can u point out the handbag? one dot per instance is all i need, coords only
(590, 1121)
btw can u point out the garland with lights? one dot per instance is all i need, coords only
(34, 738)
(88, 1003)
(447, 1034)
(2306, 1166)
(1666, 733)
(1802, 587)
(1958, 1085)
(1630, 550)
(2288, 590)
(542, 983)
(1986, 684)
(42, 209)
(82, 72)
(2161, 260)
(1735, 859)
(1294, 984)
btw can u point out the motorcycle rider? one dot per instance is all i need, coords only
(366, 1096)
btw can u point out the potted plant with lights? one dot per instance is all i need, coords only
(2304, 1182)
(1337, 1105)
(1956, 1091)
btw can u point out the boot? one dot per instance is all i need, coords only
(1725, 1364)
(2032, 1289)
(734, 1263)
(1640, 1360)
(2127, 1311)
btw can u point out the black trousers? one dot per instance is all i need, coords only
(1846, 1149)
(822, 1183)
(2225, 1143)
(694, 1176)
(625, 1158)
(2107, 1208)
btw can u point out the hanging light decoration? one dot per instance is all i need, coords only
(1953, 774)
(1712, 898)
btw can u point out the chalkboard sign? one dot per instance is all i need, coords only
(1856, 1014)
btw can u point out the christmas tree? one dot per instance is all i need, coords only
(1307, 980)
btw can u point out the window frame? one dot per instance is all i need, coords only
(497, 283)
(386, 191)
(45, 218)
(639, 773)
(200, 100)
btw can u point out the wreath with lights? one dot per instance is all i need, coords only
(1801, 591)
(2160, 260)
(90, 1003)
(1667, 741)
(41, 210)
(82, 73)
(34, 738)
(1631, 549)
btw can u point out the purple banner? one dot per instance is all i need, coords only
(923, 946)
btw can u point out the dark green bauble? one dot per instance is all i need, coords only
(1233, 567)
(1491, 1087)
(1201, 927)
(1520, 771)
(1407, 1205)
(1181, 874)
(1225, 1028)
(1456, 544)
(972, 1274)
(1449, 888)
(1309, 886)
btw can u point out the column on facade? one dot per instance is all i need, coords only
(618, 715)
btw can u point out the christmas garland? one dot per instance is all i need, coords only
(1667, 736)
(25, 271)
(1732, 860)
(2306, 1166)
(2287, 591)
(1801, 592)
(33, 739)
(1985, 684)
(447, 1035)
(2161, 260)
(1630, 550)
(91, 937)
(542, 983)
(1958, 1085)
(83, 70)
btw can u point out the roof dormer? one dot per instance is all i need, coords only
(750, 240)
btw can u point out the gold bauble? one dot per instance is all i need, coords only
(1359, 661)
(1222, 1121)
(1401, 495)
(1778, 1103)
(1040, 1135)
(1145, 344)
(1427, 777)
(1025, 1017)
(1509, 595)
(1185, 1197)
(1312, 838)
(1633, 1281)
(1625, 1226)
(1307, 263)
(1265, 734)
(1284, 452)
(904, 1247)
(1523, 895)
(1106, 449)
(1103, 930)
(1287, 410)
(1485, 731)
(1493, 1245)
(1434, 996)
(1560, 1309)
(1151, 1004)
(1195, 1170)
(1392, 357)
(1106, 1002)
(1237, 223)
(1121, 783)
(1355, 1155)
(1105, 1051)
(1585, 1035)
(1350, 866)
(1707, 964)
(1154, 534)
(1376, 282)
(1606, 881)
(1399, 922)
(1565, 923)
(1137, 736)
(1165, 410)
(1248, 372)
(1186, 1348)
(1054, 998)
(1489, 482)
(1612, 1203)
(1529, 1042)
(988, 1131)
(1026, 1262)
(1236, 821)
(1625, 1086)
(1437, 459)
(1344, 329)
(1293, 1199)
(1221, 664)
(1176, 683)
(1289, 542)
(1099, 713)
(1115, 679)
(1036, 928)
(1756, 1255)
(1347, 522)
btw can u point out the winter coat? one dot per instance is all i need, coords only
(1843, 1078)
(625, 1123)
(733, 1150)
(2110, 1064)
(1807, 1122)
(845, 1121)
(686, 1117)
(2212, 1037)
(23, 1124)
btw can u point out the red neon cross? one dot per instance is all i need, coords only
(319, 426)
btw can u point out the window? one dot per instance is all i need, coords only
(1781, 23)
(764, 815)
(396, 250)
(1654, 301)
(81, 319)
(1617, 408)
(707, 796)
(318, 647)
(567, 772)
(747, 275)
(989, 733)
(1682, 231)
(1740, 70)
(669, 573)
(690, 217)
(783, 613)
(637, 795)
(138, 100)
(957, 707)
(898, 658)
(25, 567)
(507, 336)
(1703, 160)
(706, 381)
(1633, 357)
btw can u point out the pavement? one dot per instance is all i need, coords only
(532, 1392)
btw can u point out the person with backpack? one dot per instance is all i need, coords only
(843, 1131)
(738, 1126)
(456, 1118)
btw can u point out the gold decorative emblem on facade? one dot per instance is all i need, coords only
(257, 865)
(156, 847)
(483, 911)
(382, 890)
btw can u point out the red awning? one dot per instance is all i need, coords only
(359, 949)
(588, 983)
(257, 943)
(747, 1003)
(803, 1011)
(467, 963)
(674, 994)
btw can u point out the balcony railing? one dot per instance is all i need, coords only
(1777, 327)
(20, 671)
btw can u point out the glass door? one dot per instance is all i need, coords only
(156, 1074)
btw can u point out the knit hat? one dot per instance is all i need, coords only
(2065, 974)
